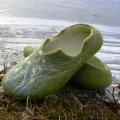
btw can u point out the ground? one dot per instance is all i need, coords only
(70, 103)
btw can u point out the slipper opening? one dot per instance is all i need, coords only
(70, 40)
(94, 61)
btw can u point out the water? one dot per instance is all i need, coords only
(95, 11)
(30, 22)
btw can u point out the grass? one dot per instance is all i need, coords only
(69, 103)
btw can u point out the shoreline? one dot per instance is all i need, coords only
(44, 21)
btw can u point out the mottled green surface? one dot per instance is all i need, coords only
(93, 75)
(41, 74)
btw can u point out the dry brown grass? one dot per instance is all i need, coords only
(68, 104)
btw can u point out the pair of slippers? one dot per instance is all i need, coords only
(67, 56)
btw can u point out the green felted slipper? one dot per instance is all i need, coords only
(28, 50)
(93, 75)
(53, 64)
